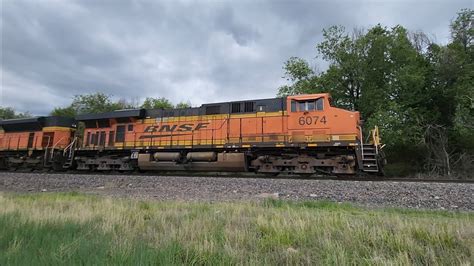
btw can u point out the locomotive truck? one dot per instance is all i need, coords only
(300, 134)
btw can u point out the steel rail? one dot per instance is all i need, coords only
(356, 178)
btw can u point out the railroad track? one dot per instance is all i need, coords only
(357, 178)
(211, 187)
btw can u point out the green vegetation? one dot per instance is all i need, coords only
(9, 113)
(420, 94)
(162, 103)
(157, 103)
(90, 103)
(75, 229)
(100, 102)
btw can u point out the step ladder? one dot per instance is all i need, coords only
(370, 152)
(68, 153)
(68, 163)
(369, 158)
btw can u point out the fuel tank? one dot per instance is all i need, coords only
(167, 156)
(201, 156)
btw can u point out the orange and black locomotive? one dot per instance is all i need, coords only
(300, 134)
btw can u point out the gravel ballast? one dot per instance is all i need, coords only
(449, 196)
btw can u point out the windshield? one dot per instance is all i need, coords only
(307, 105)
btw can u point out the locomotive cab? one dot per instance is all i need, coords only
(311, 118)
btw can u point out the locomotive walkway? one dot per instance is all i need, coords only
(424, 195)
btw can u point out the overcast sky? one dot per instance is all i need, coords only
(197, 51)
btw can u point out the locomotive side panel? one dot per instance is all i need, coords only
(36, 133)
(19, 140)
(34, 142)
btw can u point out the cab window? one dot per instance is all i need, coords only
(302, 106)
(307, 105)
(319, 104)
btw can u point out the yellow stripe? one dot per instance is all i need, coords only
(343, 137)
(243, 115)
(169, 143)
(279, 113)
(49, 129)
(210, 117)
(258, 114)
(196, 144)
(269, 138)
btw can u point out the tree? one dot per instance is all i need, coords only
(345, 54)
(462, 28)
(68, 111)
(100, 102)
(455, 67)
(7, 113)
(10, 113)
(298, 72)
(90, 104)
(95, 103)
(157, 103)
(183, 105)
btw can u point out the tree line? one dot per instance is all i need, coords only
(420, 93)
(98, 103)
(10, 113)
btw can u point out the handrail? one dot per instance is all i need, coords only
(46, 149)
(376, 135)
(361, 141)
(57, 142)
(376, 138)
(54, 147)
(69, 146)
(192, 137)
(49, 140)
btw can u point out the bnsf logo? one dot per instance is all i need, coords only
(177, 128)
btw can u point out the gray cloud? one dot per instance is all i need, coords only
(182, 50)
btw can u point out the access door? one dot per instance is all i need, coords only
(48, 138)
(120, 136)
(31, 138)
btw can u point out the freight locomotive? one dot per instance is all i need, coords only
(300, 134)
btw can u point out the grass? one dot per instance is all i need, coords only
(73, 228)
